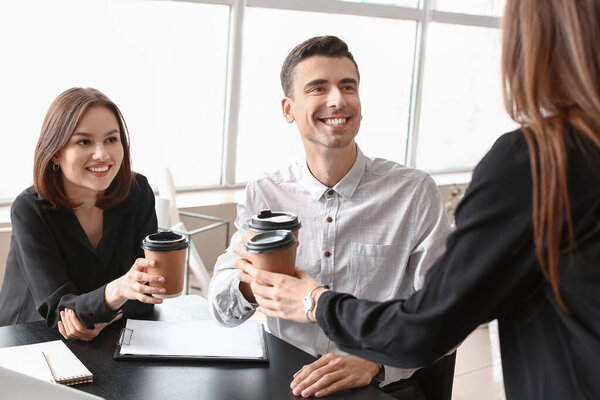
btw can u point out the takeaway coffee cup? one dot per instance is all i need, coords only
(168, 250)
(273, 251)
(267, 220)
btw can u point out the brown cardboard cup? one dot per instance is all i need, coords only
(273, 251)
(168, 250)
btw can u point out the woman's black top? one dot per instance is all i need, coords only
(490, 271)
(52, 265)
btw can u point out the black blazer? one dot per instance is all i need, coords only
(52, 265)
(490, 271)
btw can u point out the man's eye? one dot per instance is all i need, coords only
(349, 88)
(316, 89)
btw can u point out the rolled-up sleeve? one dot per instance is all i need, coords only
(228, 306)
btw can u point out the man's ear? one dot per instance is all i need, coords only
(286, 107)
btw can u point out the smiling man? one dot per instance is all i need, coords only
(370, 227)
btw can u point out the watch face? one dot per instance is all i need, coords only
(308, 303)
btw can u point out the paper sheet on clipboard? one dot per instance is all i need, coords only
(192, 338)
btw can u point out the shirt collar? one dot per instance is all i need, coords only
(346, 187)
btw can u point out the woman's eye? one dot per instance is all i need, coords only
(83, 142)
(112, 139)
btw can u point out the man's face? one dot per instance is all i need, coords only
(325, 103)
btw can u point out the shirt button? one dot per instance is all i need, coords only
(329, 219)
(327, 254)
(330, 192)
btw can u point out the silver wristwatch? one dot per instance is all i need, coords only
(308, 303)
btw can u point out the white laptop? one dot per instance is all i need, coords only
(17, 386)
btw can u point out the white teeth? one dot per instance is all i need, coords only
(335, 121)
(101, 169)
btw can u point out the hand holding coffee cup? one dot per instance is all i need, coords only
(273, 251)
(168, 251)
(131, 286)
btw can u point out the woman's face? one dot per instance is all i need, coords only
(92, 157)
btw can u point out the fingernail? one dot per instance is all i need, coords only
(151, 263)
(161, 279)
(293, 385)
(163, 290)
(248, 268)
(296, 392)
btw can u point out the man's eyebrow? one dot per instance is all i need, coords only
(349, 80)
(315, 82)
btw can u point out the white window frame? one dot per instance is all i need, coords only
(423, 15)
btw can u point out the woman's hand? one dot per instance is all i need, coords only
(278, 295)
(131, 286)
(71, 327)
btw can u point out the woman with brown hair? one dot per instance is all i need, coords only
(527, 246)
(75, 257)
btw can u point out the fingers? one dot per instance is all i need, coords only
(242, 263)
(266, 292)
(242, 252)
(61, 329)
(142, 264)
(69, 325)
(336, 386)
(317, 380)
(244, 277)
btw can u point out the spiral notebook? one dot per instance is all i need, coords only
(48, 361)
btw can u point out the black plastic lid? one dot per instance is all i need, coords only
(267, 242)
(267, 220)
(165, 241)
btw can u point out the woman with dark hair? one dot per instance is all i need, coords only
(527, 246)
(75, 257)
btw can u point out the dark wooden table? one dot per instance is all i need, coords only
(180, 380)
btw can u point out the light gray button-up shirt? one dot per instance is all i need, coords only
(387, 228)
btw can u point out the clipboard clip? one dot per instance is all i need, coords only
(125, 337)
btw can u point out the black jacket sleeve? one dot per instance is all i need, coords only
(485, 271)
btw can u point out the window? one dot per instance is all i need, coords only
(462, 112)
(165, 71)
(198, 80)
(477, 7)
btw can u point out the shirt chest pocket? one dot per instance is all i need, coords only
(375, 270)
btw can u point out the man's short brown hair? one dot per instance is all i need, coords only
(60, 122)
(329, 46)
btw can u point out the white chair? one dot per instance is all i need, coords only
(168, 217)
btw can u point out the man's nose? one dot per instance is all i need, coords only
(336, 98)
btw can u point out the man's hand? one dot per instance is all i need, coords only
(245, 279)
(331, 373)
(71, 328)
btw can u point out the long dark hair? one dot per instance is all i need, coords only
(551, 79)
(60, 122)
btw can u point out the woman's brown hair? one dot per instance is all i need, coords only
(551, 82)
(60, 122)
